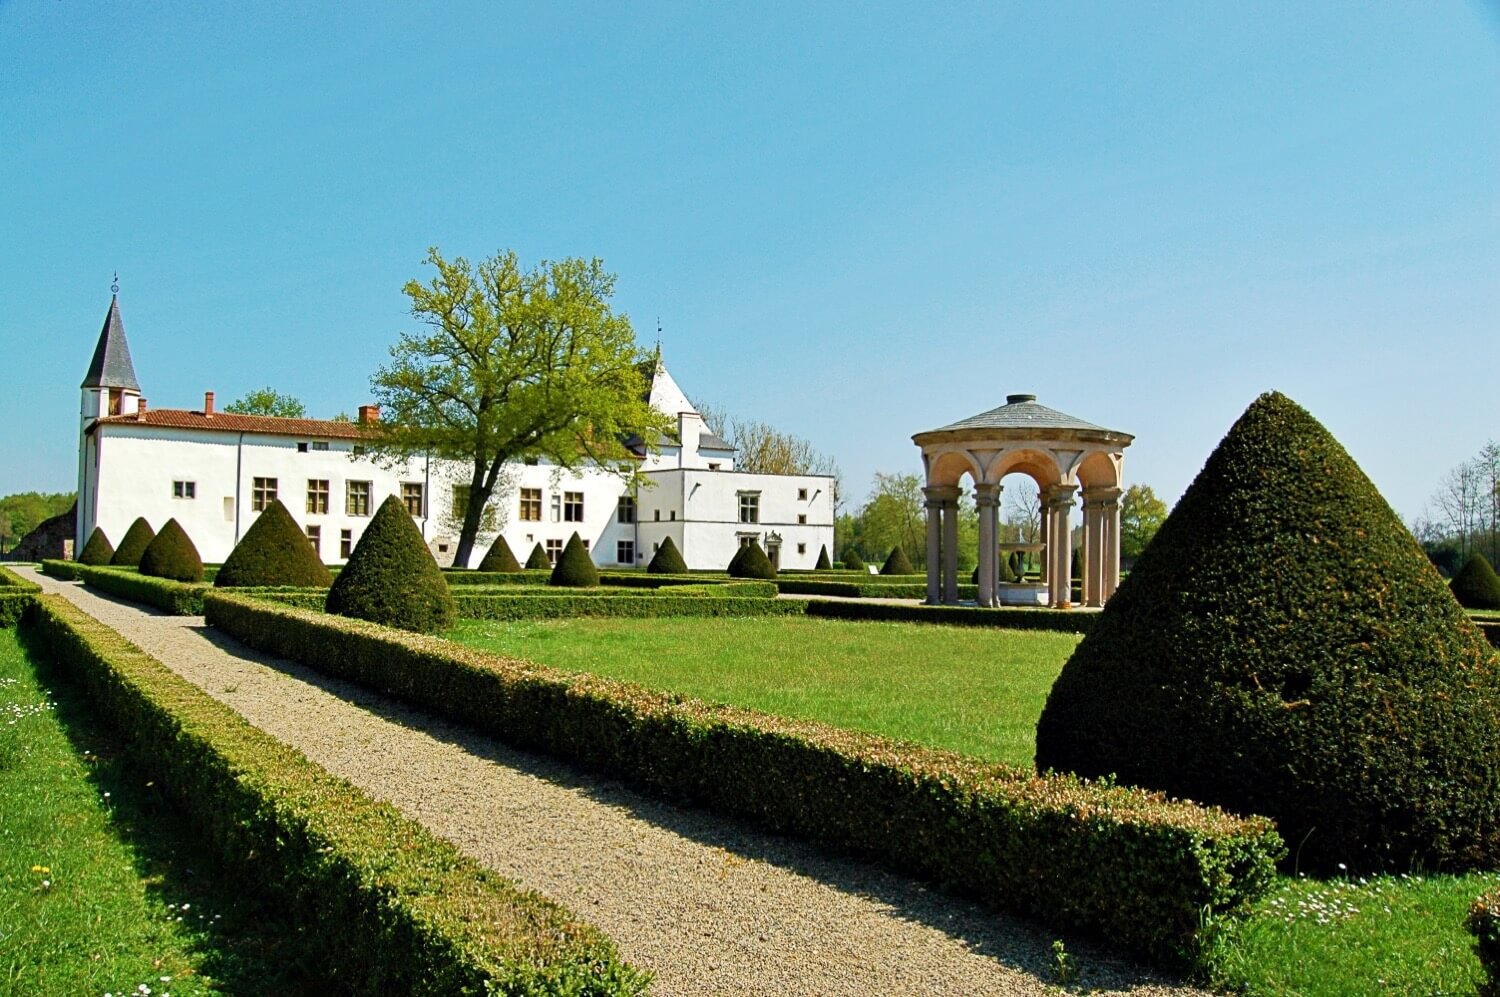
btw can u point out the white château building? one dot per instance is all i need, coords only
(215, 471)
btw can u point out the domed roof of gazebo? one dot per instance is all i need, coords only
(1023, 414)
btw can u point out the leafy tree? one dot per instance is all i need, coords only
(137, 538)
(172, 554)
(514, 363)
(1141, 515)
(667, 560)
(268, 401)
(500, 557)
(575, 569)
(391, 578)
(25, 511)
(273, 551)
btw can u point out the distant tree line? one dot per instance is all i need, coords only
(23, 512)
(1463, 516)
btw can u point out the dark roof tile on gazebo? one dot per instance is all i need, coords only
(1021, 412)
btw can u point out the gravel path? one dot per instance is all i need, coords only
(709, 905)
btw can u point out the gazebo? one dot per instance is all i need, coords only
(1064, 456)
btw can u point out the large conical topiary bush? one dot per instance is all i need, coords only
(897, 563)
(853, 561)
(98, 551)
(273, 551)
(391, 578)
(824, 563)
(575, 569)
(752, 562)
(1283, 647)
(538, 559)
(171, 554)
(500, 558)
(134, 544)
(1476, 586)
(667, 560)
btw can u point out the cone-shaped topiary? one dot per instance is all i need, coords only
(575, 569)
(98, 550)
(752, 563)
(391, 577)
(1476, 586)
(667, 560)
(824, 564)
(538, 558)
(1283, 647)
(736, 560)
(853, 561)
(897, 563)
(171, 554)
(500, 558)
(136, 540)
(273, 551)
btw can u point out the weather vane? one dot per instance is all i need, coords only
(114, 286)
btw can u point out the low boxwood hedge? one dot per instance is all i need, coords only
(459, 576)
(396, 909)
(624, 604)
(16, 593)
(877, 587)
(1155, 876)
(958, 616)
(175, 598)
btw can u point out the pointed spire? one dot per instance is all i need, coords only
(111, 366)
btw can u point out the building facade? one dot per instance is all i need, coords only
(215, 471)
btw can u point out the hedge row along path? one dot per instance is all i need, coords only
(710, 906)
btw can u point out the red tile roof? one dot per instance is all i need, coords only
(229, 422)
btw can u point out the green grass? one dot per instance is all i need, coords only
(980, 692)
(101, 891)
(973, 690)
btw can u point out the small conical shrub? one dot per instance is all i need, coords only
(500, 558)
(736, 560)
(853, 561)
(136, 540)
(1283, 647)
(98, 550)
(824, 564)
(897, 563)
(391, 578)
(667, 560)
(575, 569)
(273, 551)
(1476, 586)
(538, 558)
(171, 554)
(752, 563)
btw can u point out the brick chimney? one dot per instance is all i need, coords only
(140, 410)
(208, 403)
(369, 415)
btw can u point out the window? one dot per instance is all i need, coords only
(358, 450)
(228, 508)
(802, 519)
(658, 515)
(411, 497)
(319, 445)
(746, 539)
(262, 493)
(713, 467)
(802, 548)
(625, 552)
(302, 448)
(317, 496)
(556, 508)
(625, 511)
(357, 498)
(749, 507)
(573, 507)
(802, 495)
(487, 520)
(531, 505)
(184, 489)
(315, 537)
(674, 515)
(346, 543)
(554, 551)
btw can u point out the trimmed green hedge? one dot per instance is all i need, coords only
(624, 604)
(958, 616)
(1156, 876)
(396, 909)
(175, 598)
(1483, 923)
(875, 588)
(16, 593)
(459, 576)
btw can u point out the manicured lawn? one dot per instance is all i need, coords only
(100, 889)
(972, 690)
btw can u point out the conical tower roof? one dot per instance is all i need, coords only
(111, 366)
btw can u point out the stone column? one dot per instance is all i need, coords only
(1094, 560)
(1060, 554)
(934, 544)
(1111, 516)
(987, 499)
(950, 549)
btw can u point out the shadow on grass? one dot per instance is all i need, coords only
(240, 941)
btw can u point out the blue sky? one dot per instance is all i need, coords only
(855, 221)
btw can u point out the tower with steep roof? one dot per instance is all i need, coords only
(109, 388)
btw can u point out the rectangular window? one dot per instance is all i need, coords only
(315, 537)
(658, 515)
(625, 551)
(262, 493)
(319, 445)
(554, 551)
(802, 519)
(357, 498)
(302, 448)
(317, 496)
(802, 548)
(573, 507)
(531, 505)
(749, 507)
(625, 510)
(411, 497)
(346, 543)
(802, 495)
(674, 515)
(746, 539)
(184, 489)
(359, 450)
(713, 467)
(556, 508)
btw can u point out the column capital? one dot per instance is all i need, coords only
(1055, 496)
(987, 494)
(937, 495)
(1104, 495)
